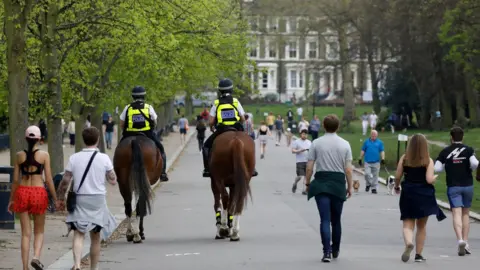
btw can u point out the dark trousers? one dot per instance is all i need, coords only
(200, 142)
(314, 134)
(330, 209)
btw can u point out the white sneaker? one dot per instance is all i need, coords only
(467, 250)
(462, 248)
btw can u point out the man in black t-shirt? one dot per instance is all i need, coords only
(459, 160)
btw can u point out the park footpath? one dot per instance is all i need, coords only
(56, 253)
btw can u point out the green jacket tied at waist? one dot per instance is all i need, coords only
(332, 183)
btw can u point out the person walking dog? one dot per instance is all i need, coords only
(374, 154)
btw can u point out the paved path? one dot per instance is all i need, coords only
(280, 230)
(55, 245)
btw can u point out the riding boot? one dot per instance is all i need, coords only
(163, 176)
(255, 173)
(206, 159)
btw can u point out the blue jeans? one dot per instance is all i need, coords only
(108, 138)
(330, 209)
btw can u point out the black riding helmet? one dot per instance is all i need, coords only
(225, 86)
(138, 92)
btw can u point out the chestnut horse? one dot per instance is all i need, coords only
(232, 164)
(138, 165)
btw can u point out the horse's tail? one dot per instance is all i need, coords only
(240, 178)
(139, 181)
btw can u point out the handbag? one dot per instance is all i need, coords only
(72, 196)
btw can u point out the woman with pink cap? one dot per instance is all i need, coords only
(29, 196)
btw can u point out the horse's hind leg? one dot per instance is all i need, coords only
(127, 198)
(142, 235)
(224, 228)
(233, 223)
(217, 207)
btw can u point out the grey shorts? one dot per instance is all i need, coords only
(301, 168)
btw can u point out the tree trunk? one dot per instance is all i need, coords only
(161, 120)
(373, 80)
(79, 125)
(446, 109)
(96, 121)
(52, 79)
(188, 105)
(472, 99)
(15, 23)
(348, 94)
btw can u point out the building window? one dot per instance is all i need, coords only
(312, 50)
(292, 49)
(272, 50)
(353, 50)
(265, 79)
(253, 49)
(272, 24)
(332, 50)
(292, 24)
(293, 79)
(253, 21)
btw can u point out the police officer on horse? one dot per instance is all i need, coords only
(139, 118)
(225, 114)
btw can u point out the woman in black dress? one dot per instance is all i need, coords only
(201, 128)
(417, 198)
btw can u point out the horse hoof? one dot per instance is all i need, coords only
(219, 237)
(143, 237)
(137, 242)
(129, 238)
(224, 233)
(235, 239)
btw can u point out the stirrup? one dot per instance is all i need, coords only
(206, 173)
(164, 177)
(255, 173)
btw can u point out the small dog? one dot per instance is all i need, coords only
(391, 185)
(356, 185)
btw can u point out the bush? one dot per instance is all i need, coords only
(271, 97)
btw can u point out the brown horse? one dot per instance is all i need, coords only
(231, 165)
(138, 165)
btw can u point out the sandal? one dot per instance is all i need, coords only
(36, 264)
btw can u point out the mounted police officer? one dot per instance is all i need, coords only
(226, 112)
(141, 119)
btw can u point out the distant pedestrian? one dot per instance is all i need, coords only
(459, 160)
(417, 197)
(278, 129)
(29, 196)
(205, 114)
(374, 154)
(71, 131)
(183, 127)
(90, 170)
(300, 113)
(289, 115)
(373, 120)
(270, 121)
(248, 126)
(263, 136)
(109, 129)
(88, 122)
(332, 157)
(300, 148)
(201, 128)
(289, 135)
(364, 123)
(303, 125)
(314, 127)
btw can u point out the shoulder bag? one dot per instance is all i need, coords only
(72, 196)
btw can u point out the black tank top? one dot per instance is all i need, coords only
(24, 166)
(415, 175)
(261, 132)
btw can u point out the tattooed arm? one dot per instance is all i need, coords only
(63, 186)
(111, 177)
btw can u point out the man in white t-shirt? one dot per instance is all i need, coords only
(91, 214)
(373, 120)
(299, 113)
(300, 148)
(303, 125)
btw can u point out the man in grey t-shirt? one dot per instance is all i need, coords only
(332, 157)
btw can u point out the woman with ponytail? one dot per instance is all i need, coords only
(29, 197)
